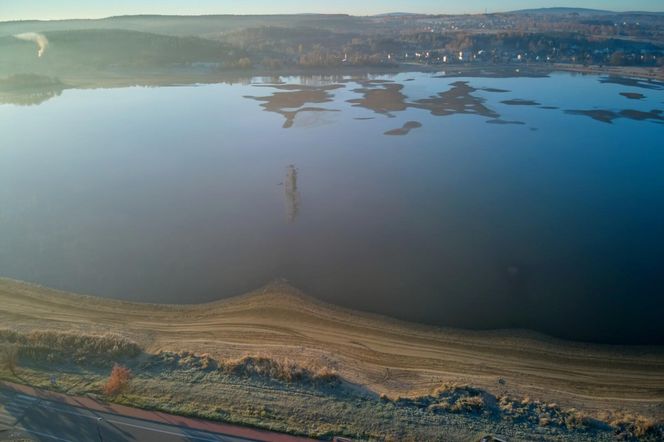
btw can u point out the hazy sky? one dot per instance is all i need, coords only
(56, 9)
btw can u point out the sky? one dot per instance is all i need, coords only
(59, 9)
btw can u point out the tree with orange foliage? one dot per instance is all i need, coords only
(118, 381)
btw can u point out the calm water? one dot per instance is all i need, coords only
(490, 202)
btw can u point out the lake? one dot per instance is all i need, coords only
(478, 202)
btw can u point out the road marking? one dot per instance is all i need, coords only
(142, 427)
(60, 410)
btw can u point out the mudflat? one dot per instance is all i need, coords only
(380, 354)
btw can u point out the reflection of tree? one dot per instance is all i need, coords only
(292, 195)
(28, 98)
(29, 89)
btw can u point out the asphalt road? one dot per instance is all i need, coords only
(28, 418)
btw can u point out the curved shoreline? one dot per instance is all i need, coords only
(386, 356)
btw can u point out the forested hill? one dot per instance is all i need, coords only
(100, 49)
(202, 25)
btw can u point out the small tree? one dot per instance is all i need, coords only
(9, 358)
(118, 381)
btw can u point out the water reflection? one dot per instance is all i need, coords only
(292, 194)
(426, 233)
(29, 90)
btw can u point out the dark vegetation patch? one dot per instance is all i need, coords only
(608, 116)
(495, 90)
(502, 122)
(633, 82)
(292, 99)
(385, 99)
(633, 95)
(605, 116)
(458, 100)
(405, 129)
(520, 102)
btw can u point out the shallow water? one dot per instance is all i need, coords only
(380, 194)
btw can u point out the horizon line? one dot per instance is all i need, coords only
(432, 14)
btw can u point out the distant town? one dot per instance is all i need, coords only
(194, 48)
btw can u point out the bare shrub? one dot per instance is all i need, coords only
(633, 425)
(118, 381)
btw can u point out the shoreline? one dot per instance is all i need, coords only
(181, 77)
(382, 355)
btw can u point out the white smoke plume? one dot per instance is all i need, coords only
(39, 39)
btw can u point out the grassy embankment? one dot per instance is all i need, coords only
(280, 360)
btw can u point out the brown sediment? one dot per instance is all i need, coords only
(632, 114)
(301, 87)
(500, 121)
(634, 82)
(291, 102)
(405, 129)
(290, 115)
(633, 95)
(520, 102)
(494, 90)
(605, 116)
(388, 98)
(384, 99)
(608, 116)
(383, 355)
(457, 100)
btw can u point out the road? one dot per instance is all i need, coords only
(27, 417)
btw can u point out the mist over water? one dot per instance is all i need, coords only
(503, 202)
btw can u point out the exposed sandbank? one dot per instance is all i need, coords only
(384, 355)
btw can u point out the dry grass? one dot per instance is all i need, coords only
(51, 345)
(283, 370)
(262, 366)
(9, 357)
(290, 336)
